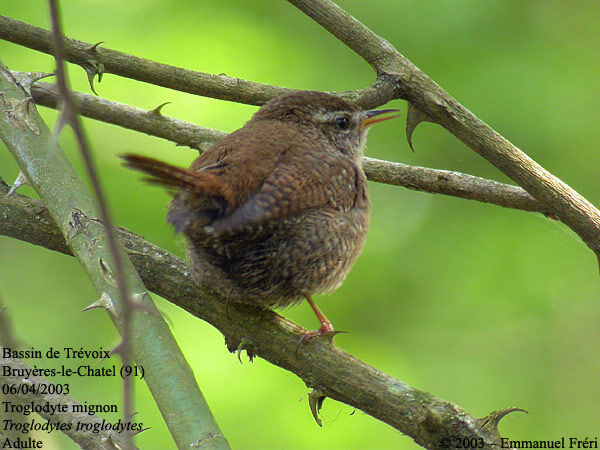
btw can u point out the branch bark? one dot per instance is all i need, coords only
(397, 77)
(330, 371)
(151, 122)
(374, 49)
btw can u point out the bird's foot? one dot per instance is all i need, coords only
(325, 330)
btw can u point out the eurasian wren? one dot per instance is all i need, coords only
(278, 210)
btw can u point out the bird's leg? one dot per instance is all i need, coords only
(326, 328)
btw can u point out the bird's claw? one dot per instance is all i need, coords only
(308, 336)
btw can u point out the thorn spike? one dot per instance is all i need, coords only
(157, 110)
(414, 116)
(20, 181)
(94, 47)
(315, 401)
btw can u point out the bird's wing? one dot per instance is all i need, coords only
(298, 183)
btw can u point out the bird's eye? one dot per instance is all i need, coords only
(342, 122)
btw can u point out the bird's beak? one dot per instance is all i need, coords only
(378, 115)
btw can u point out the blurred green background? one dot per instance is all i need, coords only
(483, 306)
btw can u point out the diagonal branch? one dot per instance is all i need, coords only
(184, 133)
(430, 101)
(321, 365)
(124, 303)
(453, 183)
(65, 196)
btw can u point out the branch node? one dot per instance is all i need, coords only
(78, 224)
(106, 273)
(137, 299)
(209, 440)
(17, 112)
(27, 79)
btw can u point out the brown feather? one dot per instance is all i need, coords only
(173, 176)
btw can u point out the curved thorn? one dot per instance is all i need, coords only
(94, 47)
(27, 79)
(315, 401)
(242, 346)
(105, 301)
(90, 75)
(492, 420)
(20, 181)
(414, 116)
(93, 68)
(158, 108)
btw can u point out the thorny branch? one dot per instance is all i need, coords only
(429, 102)
(325, 368)
(396, 78)
(66, 197)
(184, 133)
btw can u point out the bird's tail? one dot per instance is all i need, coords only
(178, 177)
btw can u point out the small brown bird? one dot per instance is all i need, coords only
(278, 210)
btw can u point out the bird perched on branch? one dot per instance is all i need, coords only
(278, 210)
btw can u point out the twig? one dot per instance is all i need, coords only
(320, 364)
(110, 61)
(397, 77)
(452, 183)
